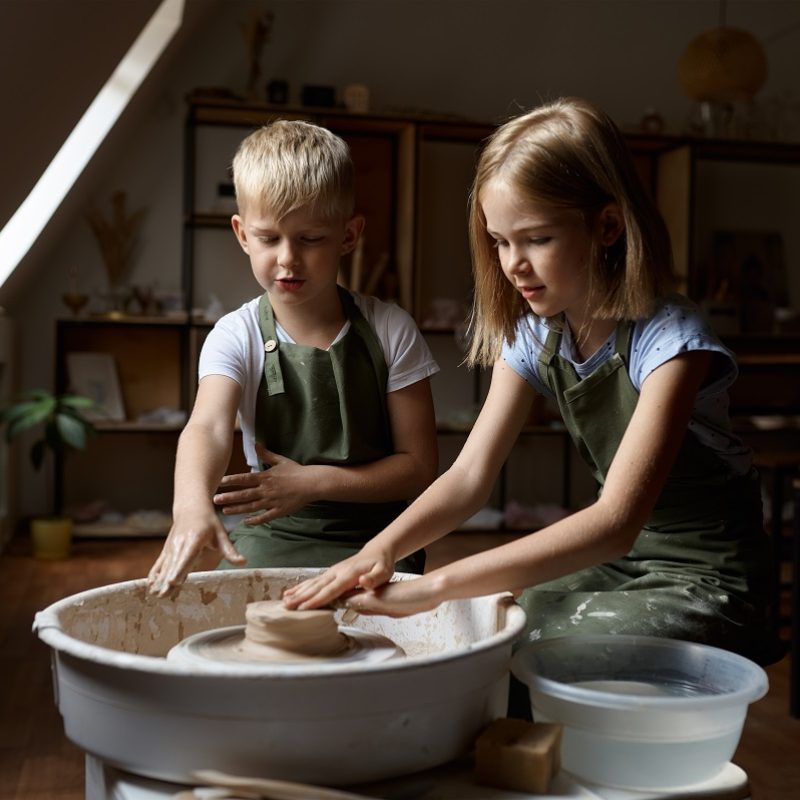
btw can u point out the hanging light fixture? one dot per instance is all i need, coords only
(723, 65)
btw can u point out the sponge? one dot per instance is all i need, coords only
(518, 755)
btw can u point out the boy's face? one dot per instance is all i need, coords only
(296, 258)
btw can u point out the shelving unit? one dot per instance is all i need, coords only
(413, 175)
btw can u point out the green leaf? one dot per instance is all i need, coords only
(71, 430)
(26, 414)
(76, 401)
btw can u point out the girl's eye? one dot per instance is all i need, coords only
(498, 243)
(540, 240)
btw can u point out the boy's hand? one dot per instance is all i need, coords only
(367, 569)
(278, 490)
(187, 538)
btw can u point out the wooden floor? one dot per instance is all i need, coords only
(38, 763)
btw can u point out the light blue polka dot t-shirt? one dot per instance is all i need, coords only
(677, 326)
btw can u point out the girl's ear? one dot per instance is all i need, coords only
(610, 224)
(353, 229)
(237, 223)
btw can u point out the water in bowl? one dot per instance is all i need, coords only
(647, 764)
(646, 688)
(644, 765)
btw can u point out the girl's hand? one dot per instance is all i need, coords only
(396, 599)
(367, 569)
(278, 490)
(188, 537)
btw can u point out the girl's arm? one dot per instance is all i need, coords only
(453, 498)
(286, 485)
(601, 532)
(204, 450)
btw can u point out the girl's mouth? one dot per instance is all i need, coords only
(531, 292)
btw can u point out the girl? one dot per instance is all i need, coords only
(572, 268)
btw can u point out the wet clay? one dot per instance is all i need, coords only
(274, 633)
(309, 633)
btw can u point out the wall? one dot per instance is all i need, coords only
(481, 59)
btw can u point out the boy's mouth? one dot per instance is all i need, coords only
(290, 284)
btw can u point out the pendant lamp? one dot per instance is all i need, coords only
(722, 65)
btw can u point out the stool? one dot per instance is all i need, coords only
(782, 465)
(794, 642)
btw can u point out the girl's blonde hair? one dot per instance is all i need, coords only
(290, 164)
(570, 155)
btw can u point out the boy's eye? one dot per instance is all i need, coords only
(540, 240)
(312, 239)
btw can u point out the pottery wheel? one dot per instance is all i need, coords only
(275, 635)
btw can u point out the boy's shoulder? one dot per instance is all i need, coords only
(244, 315)
(382, 313)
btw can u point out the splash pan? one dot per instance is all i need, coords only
(125, 703)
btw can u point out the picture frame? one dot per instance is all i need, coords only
(95, 376)
(749, 271)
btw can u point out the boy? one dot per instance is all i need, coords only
(331, 388)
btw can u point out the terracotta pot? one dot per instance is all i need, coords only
(51, 538)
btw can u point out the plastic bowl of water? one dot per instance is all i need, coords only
(640, 712)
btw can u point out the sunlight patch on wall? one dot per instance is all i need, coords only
(30, 219)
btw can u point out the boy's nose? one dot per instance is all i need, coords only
(287, 256)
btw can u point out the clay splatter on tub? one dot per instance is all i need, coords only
(207, 596)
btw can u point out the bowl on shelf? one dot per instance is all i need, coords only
(640, 712)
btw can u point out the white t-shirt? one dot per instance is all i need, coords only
(677, 326)
(235, 348)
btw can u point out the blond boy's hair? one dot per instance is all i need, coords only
(290, 164)
(569, 155)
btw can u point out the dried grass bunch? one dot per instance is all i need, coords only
(116, 236)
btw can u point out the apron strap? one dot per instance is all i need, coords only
(272, 364)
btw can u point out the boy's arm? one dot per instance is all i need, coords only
(204, 450)
(409, 470)
(286, 485)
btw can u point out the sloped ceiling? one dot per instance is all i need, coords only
(54, 58)
(55, 55)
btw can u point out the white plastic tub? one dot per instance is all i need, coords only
(124, 703)
(640, 712)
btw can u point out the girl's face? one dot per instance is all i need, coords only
(544, 251)
(295, 258)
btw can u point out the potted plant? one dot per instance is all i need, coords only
(63, 427)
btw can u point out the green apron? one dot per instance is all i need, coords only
(322, 407)
(699, 570)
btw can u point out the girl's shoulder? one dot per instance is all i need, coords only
(675, 317)
(678, 325)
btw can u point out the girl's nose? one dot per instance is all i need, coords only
(517, 260)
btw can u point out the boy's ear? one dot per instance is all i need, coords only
(611, 224)
(237, 223)
(353, 229)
